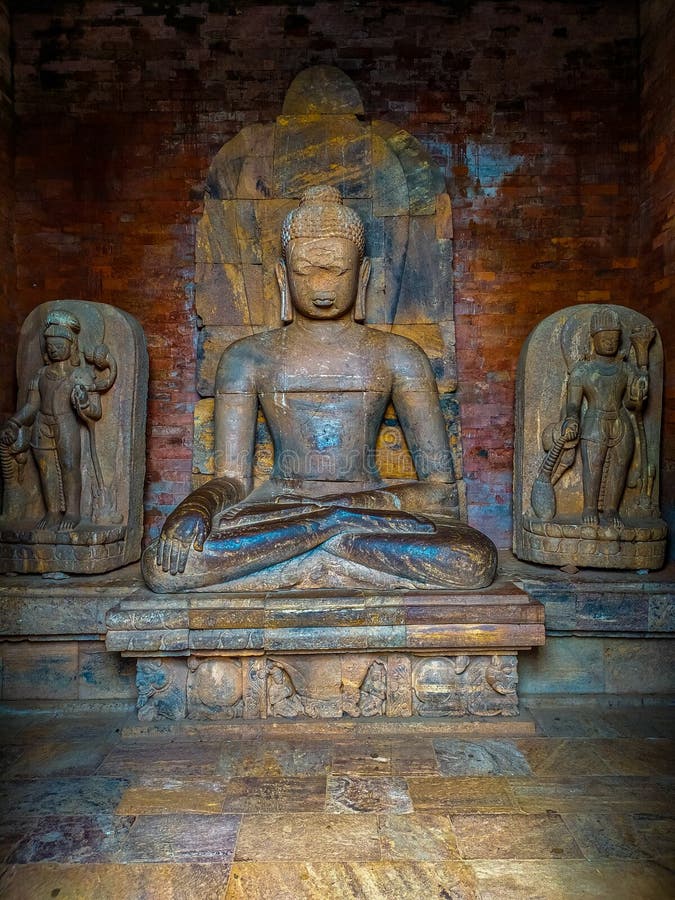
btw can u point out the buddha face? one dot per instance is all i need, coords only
(607, 343)
(323, 276)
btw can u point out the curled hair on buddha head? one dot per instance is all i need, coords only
(62, 324)
(322, 213)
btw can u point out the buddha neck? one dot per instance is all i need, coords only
(325, 330)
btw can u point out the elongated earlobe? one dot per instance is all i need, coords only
(282, 280)
(360, 305)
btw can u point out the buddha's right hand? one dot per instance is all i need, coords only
(184, 530)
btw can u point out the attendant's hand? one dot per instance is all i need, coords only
(10, 433)
(79, 397)
(570, 429)
(639, 389)
(184, 530)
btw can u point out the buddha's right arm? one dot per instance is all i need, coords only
(189, 525)
(236, 402)
(207, 502)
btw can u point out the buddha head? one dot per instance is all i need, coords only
(323, 272)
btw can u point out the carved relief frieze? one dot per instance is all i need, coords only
(161, 684)
(327, 686)
(214, 688)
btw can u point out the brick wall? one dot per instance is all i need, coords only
(530, 108)
(657, 207)
(8, 312)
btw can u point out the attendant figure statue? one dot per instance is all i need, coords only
(63, 396)
(613, 388)
(323, 381)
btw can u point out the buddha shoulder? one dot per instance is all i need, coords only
(405, 358)
(246, 358)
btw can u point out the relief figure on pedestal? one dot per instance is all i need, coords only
(63, 400)
(613, 391)
(594, 498)
(72, 457)
(323, 382)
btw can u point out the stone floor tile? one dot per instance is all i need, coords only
(61, 759)
(51, 727)
(113, 882)
(574, 722)
(514, 836)
(171, 795)
(570, 878)
(586, 794)
(656, 835)
(278, 758)
(418, 836)
(637, 756)
(623, 835)
(373, 757)
(363, 794)
(20, 729)
(414, 757)
(352, 881)
(9, 754)
(605, 835)
(461, 794)
(12, 830)
(643, 721)
(177, 759)
(181, 838)
(562, 757)
(311, 837)
(485, 757)
(254, 795)
(71, 839)
(62, 796)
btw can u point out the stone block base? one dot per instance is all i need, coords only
(326, 654)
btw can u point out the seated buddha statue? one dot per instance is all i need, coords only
(323, 381)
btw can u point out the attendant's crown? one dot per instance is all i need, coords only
(61, 324)
(322, 214)
(605, 319)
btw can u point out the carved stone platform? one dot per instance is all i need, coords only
(29, 550)
(326, 654)
(636, 545)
